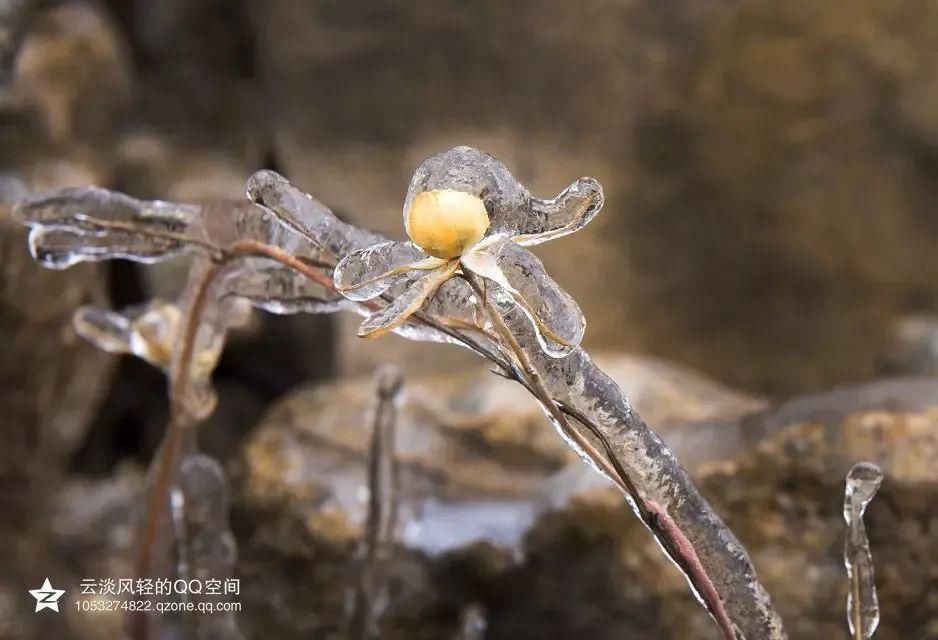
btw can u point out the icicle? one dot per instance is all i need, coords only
(863, 481)
(210, 543)
(371, 596)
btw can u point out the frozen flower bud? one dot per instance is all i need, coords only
(445, 223)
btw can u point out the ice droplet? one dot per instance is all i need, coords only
(863, 481)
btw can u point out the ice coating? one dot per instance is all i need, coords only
(89, 224)
(560, 323)
(472, 622)
(454, 186)
(407, 303)
(658, 478)
(367, 273)
(279, 289)
(146, 331)
(62, 248)
(512, 209)
(79, 224)
(479, 174)
(567, 213)
(152, 331)
(862, 483)
(307, 216)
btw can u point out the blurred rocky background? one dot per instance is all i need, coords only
(771, 172)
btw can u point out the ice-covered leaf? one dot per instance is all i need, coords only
(87, 223)
(278, 289)
(511, 207)
(63, 248)
(306, 216)
(557, 317)
(453, 304)
(146, 331)
(862, 483)
(568, 212)
(407, 303)
(367, 273)
(155, 331)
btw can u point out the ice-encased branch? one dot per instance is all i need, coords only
(370, 596)
(715, 563)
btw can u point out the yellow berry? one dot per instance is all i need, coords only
(445, 223)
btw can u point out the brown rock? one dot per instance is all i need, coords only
(72, 69)
(51, 379)
(472, 438)
(776, 476)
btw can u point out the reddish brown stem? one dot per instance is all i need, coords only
(255, 248)
(169, 453)
(179, 381)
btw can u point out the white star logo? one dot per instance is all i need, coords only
(47, 597)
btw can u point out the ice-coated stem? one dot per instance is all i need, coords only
(509, 343)
(862, 483)
(672, 539)
(381, 521)
(715, 563)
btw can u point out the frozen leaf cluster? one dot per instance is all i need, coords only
(515, 219)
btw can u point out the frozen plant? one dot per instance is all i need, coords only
(466, 279)
(454, 231)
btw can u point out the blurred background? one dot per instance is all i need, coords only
(761, 282)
